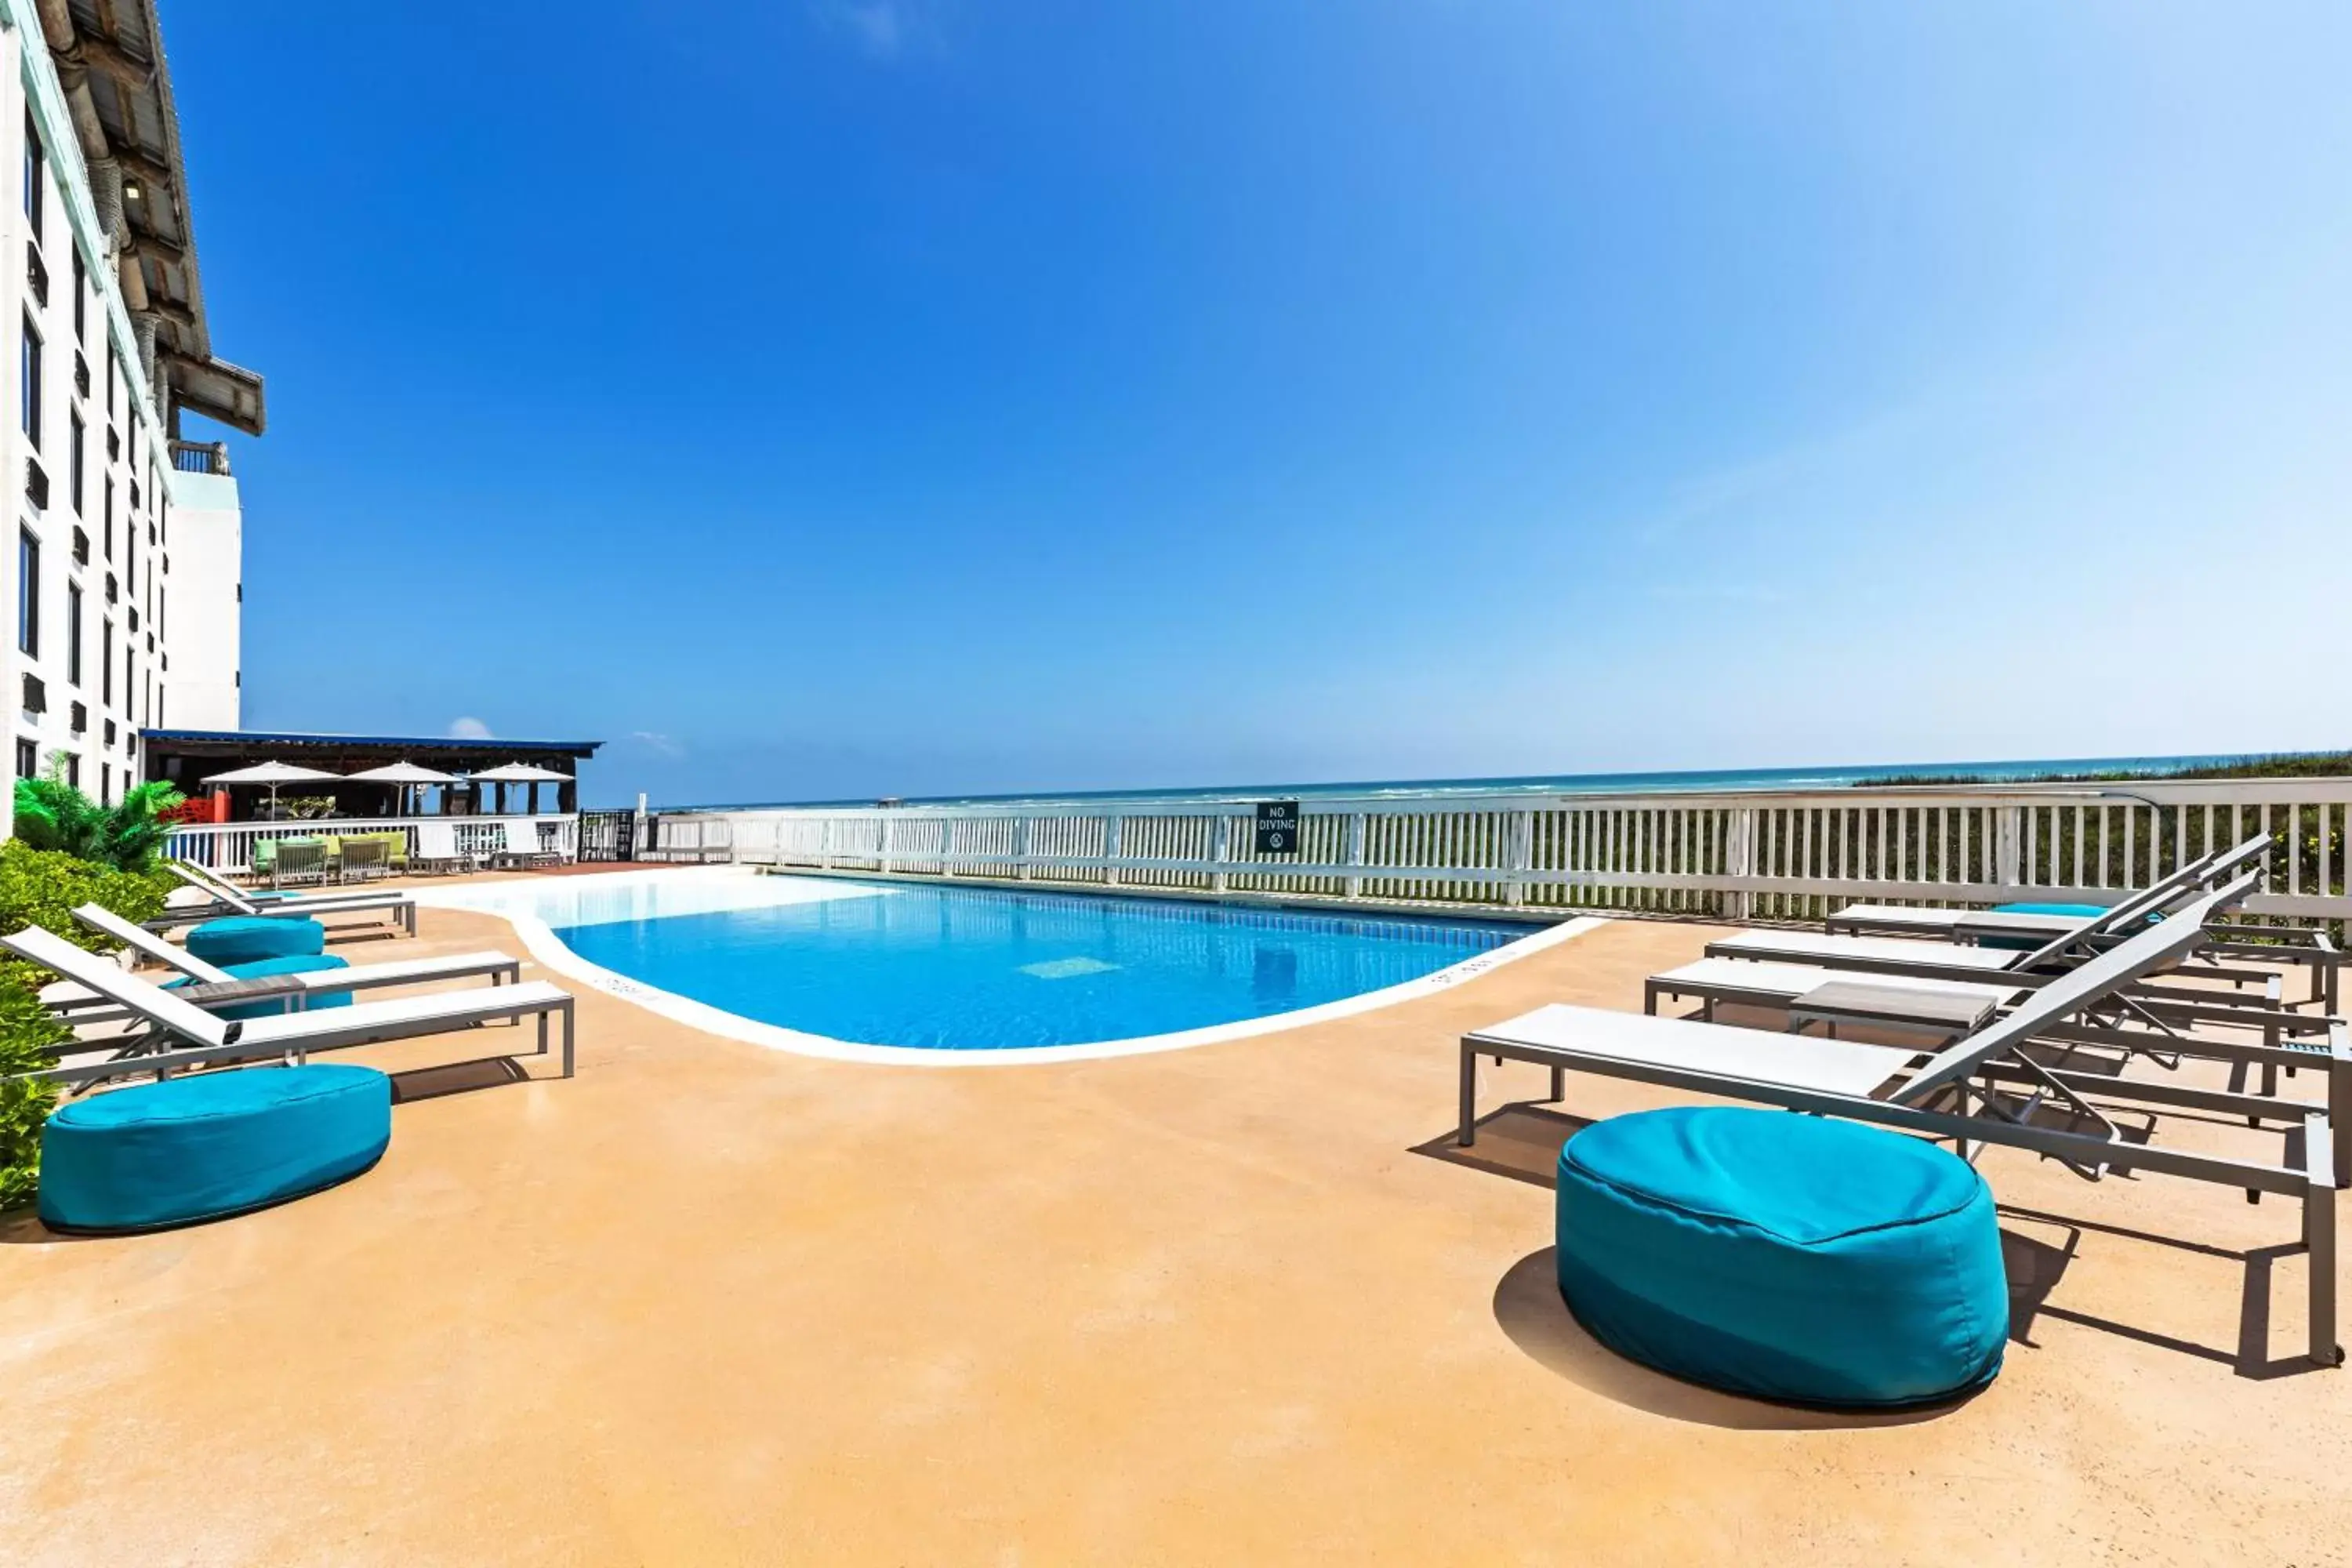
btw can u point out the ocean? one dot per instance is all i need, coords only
(1558, 783)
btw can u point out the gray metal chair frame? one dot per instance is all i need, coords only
(1985, 1089)
(182, 1035)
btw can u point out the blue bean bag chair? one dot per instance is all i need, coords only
(1784, 1256)
(297, 964)
(2085, 911)
(245, 939)
(209, 1145)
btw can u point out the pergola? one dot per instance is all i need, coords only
(188, 757)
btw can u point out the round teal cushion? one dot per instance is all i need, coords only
(1785, 1256)
(243, 938)
(293, 963)
(209, 1144)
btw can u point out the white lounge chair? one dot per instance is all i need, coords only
(1978, 925)
(522, 845)
(228, 900)
(1967, 963)
(182, 1035)
(1983, 1088)
(212, 986)
(437, 846)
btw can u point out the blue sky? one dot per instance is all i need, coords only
(914, 396)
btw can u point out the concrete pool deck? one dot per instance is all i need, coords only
(710, 1303)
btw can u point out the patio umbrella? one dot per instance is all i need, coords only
(405, 774)
(273, 775)
(523, 773)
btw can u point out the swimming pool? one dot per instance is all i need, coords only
(930, 968)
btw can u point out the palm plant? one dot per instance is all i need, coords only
(52, 814)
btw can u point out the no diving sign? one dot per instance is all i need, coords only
(1278, 827)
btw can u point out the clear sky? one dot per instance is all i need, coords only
(913, 397)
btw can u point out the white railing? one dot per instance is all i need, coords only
(1740, 854)
(227, 846)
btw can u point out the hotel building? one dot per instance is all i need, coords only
(126, 572)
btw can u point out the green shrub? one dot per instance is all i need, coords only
(28, 1031)
(41, 887)
(52, 814)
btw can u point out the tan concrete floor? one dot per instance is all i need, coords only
(709, 1304)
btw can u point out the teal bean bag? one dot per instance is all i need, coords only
(244, 939)
(296, 963)
(209, 1145)
(1784, 1256)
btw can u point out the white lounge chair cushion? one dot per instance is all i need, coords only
(1756, 1056)
(400, 971)
(1779, 984)
(1895, 950)
(402, 1015)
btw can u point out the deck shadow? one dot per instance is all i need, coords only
(1528, 1310)
(2041, 1264)
(1521, 1140)
(456, 1078)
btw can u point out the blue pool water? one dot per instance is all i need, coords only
(977, 969)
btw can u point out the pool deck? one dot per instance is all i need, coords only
(1245, 1303)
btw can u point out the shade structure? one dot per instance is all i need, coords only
(272, 775)
(407, 776)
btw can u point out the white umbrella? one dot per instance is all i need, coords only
(273, 775)
(405, 774)
(522, 773)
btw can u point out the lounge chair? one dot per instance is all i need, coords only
(1998, 924)
(438, 849)
(1943, 1010)
(522, 845)
(1983, 1088)
(182, 1035)
(1969, 963)
(212, 986)
(228, 900)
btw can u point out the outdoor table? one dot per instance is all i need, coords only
(1945, 1014)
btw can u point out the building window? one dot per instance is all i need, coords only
(29, 391)
(105, 663)
(73, 769)
(28, 594)
(105, 782)
(82, 311)
(33, 171)
(109, 393)
(110, 516)
(73, 634)
(28, 760)
(76, 450)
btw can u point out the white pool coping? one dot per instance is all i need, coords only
(549, 951)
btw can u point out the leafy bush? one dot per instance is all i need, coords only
(41, 887)
(27, 1030)
(54, 814)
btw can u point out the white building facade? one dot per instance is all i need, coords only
(125, 567)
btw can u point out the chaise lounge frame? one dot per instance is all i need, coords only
(1961, 1093)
